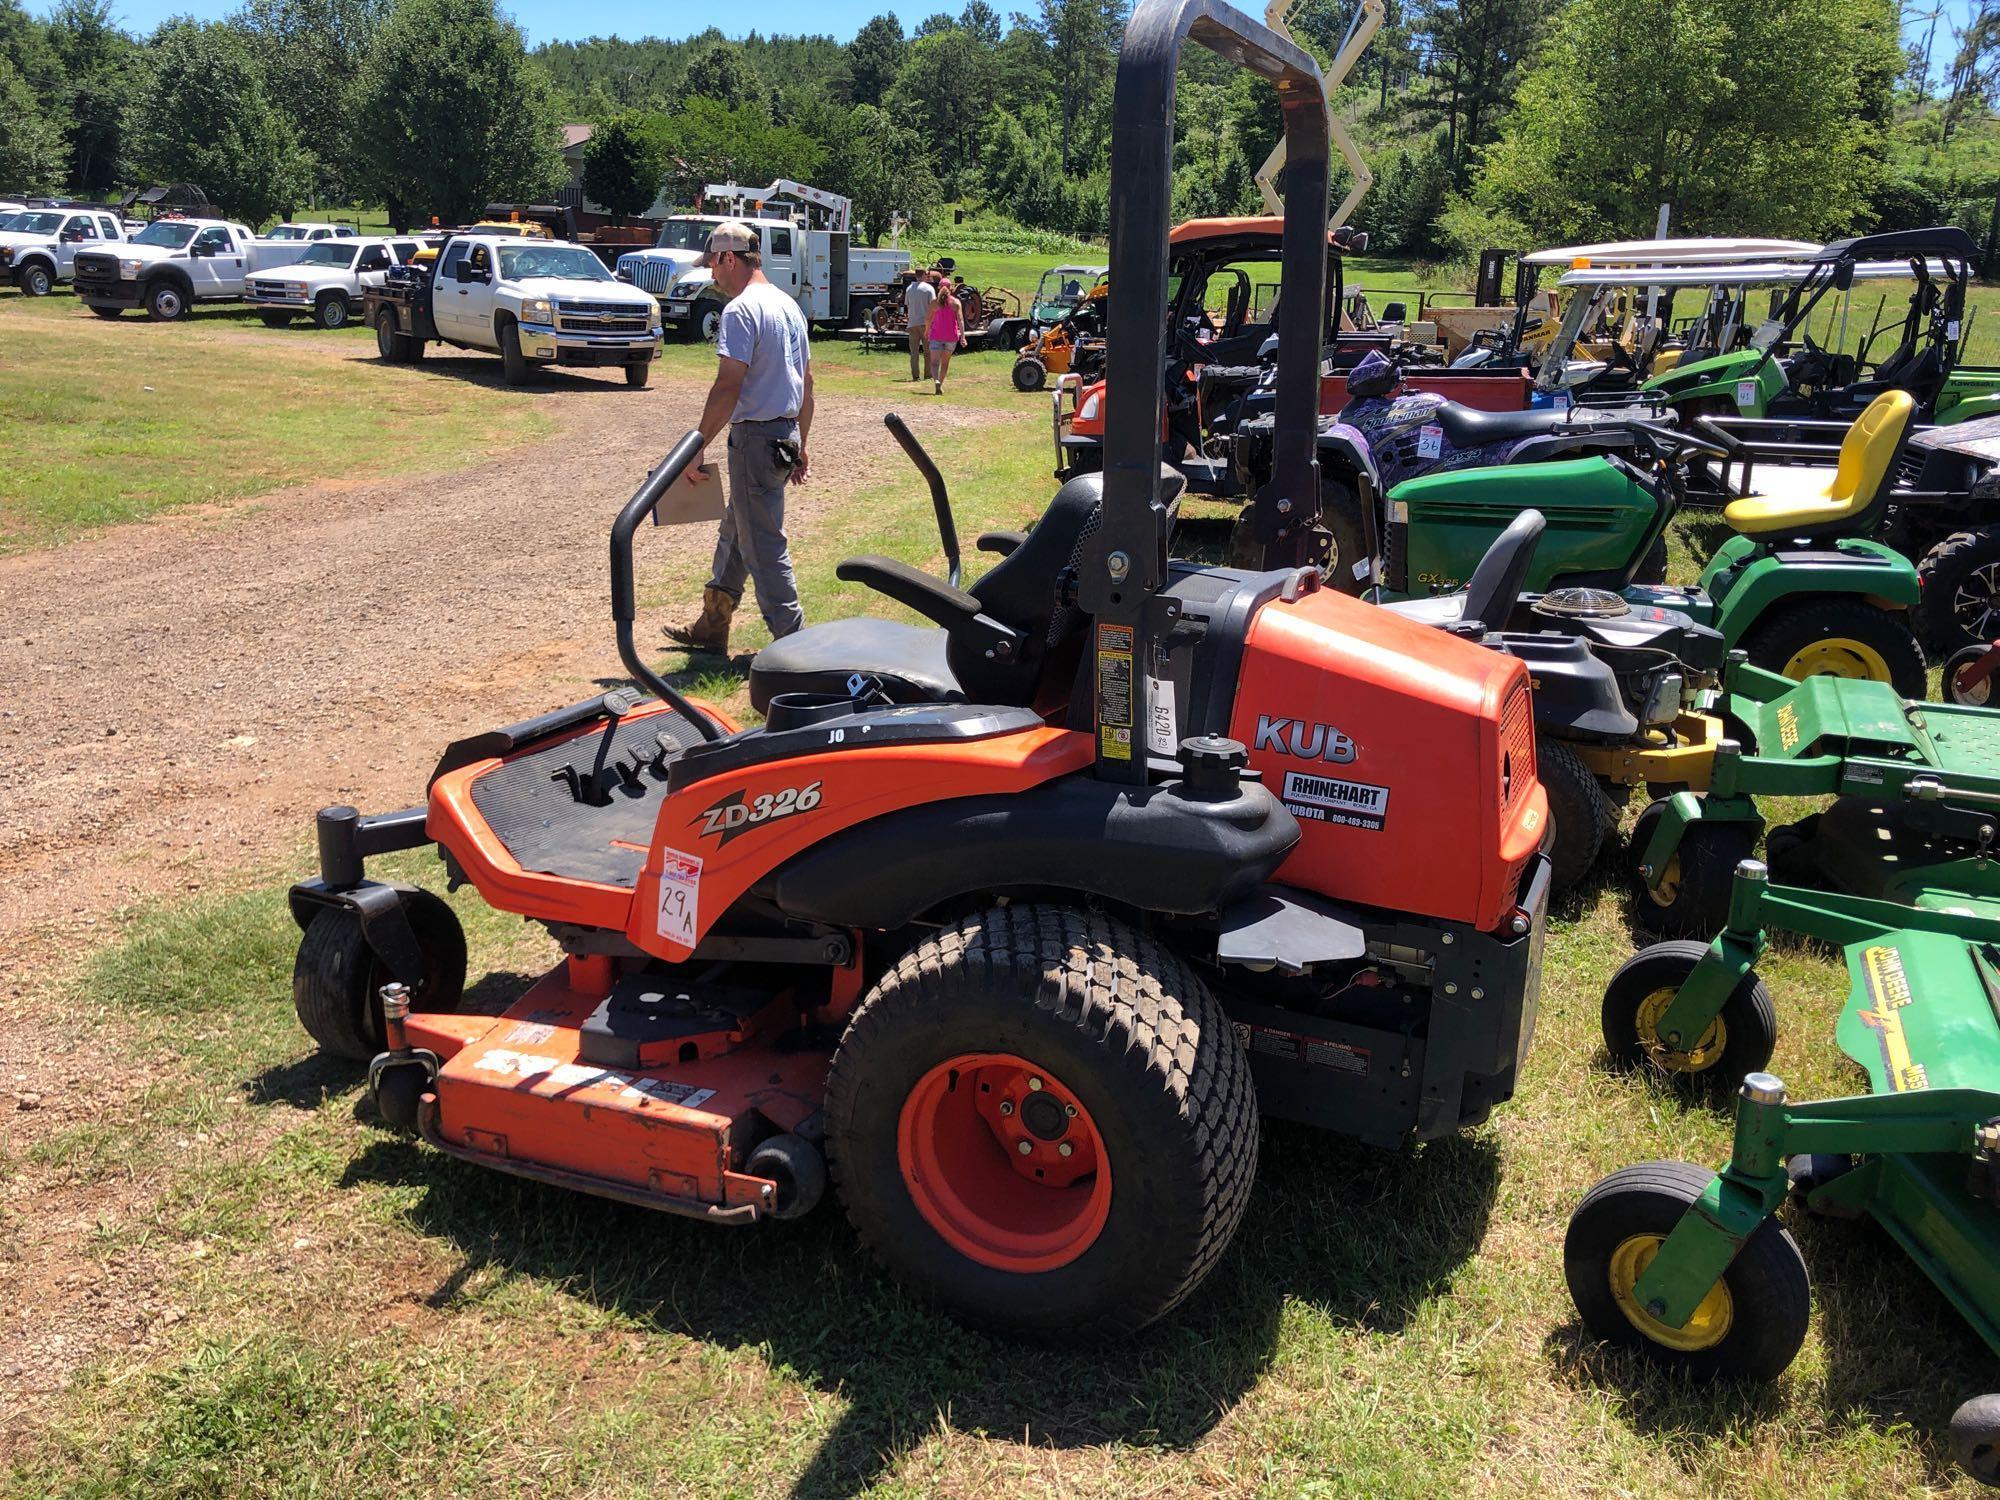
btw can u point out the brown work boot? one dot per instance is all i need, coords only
(711, 631)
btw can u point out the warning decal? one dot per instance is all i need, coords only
(1114, 691)
(1330, 799)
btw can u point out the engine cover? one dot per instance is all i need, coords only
(1406, 754)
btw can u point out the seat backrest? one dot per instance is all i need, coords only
(1496, 584)
(1868, 452)
(1020, 590)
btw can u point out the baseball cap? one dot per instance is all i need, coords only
(733, 234)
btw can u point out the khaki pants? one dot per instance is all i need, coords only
(920, 365)
(752, 541)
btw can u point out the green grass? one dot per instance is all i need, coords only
(360, 1314)
(102, 423)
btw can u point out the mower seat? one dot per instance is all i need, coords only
(1851, 501)
(1015, 602)
(1468, 427)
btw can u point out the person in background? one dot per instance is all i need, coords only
(763, 392)
(919, 297)
(947, 332)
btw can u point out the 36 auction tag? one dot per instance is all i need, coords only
(1746, 393)
(1430, 440)
(680, 890)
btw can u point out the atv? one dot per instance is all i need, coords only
(1014, 972)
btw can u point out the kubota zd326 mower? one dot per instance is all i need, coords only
(1023, 965)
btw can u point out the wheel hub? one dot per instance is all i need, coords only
(1712, 1319)
(1004, 1162)
(1699, 1058)
(1837, 656)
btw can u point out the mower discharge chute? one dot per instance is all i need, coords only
(1016, 965)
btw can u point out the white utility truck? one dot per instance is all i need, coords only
(172, 264)
(38, 248)
(808, 251)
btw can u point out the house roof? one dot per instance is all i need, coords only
(576, 135)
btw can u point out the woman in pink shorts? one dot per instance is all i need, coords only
(946, 333)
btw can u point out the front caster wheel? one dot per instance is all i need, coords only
(1739, 1040)
(1751, 1323)
(1042, 1120)
(337, 979)
(1690, 896)
(1975, 1439)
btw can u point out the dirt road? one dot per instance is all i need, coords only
(183, 694)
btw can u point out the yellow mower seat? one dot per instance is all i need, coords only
(1866, 455)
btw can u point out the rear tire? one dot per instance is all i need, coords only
(1961, 596)
(1692, 898)
(1975, 1439)
(336, 978)
(1043, 1026)
(1740, 1040)
(1030, 374)
(514, 367)
(388, 342)
(1841, 636)
(1579, 815)
(638, 373)
(1340, 514)
(331, 311)
(1753, 1322)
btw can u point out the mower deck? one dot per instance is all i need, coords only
(634, 1094)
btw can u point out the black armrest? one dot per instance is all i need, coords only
(937, 602)
(1001, 543)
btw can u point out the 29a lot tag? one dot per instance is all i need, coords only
(680, 890)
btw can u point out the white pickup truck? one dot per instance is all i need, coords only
(310, 232)
(532, 302)
(809, 253)
(172, 264)
(328, 281)
(39, 247)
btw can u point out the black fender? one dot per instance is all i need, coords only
(171, 273)
(1154, 848)
(28, 258)
(1341, 457)
(1574, 690)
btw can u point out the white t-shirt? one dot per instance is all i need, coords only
(764, 329)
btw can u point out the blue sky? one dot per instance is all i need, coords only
(567, 20)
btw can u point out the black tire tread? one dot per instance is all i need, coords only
(1771, 1325)
(1709, 854)
(1793, 625)
(1583, 809)
(1939, 571)
(1749, 1014)
(1154, 1017)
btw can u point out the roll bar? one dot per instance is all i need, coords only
(623, 609)
(1125, 561)
(940, 499)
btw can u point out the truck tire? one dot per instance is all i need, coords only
(166, 302)
(513, 363)
(106, 312)
(638, 373)
(331, 310)
(35, 279)
(708, 321)
(276, 319)
(388, 342)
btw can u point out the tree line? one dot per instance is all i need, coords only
(1484, 121)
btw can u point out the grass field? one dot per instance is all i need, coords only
(340, 1311)
(114, 422)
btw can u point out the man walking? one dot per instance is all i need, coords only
(763, 391)
(918, 300)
